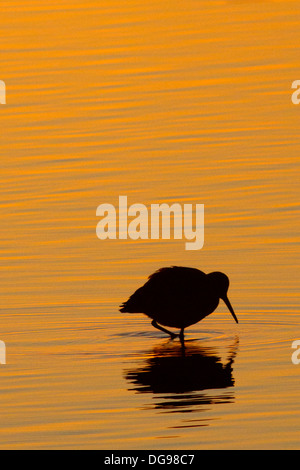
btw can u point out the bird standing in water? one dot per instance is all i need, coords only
(179, 297)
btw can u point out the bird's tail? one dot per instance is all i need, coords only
(130, 306)
(123, 307)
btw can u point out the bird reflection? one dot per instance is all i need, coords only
(175, 374)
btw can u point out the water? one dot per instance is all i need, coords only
(162, 102)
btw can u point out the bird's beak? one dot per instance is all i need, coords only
(228, 304)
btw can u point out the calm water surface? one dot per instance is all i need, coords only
(162, 102)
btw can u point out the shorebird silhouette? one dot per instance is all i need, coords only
(179, 297)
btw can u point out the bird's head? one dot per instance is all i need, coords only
(220, 283)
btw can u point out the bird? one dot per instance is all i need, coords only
(179, 297)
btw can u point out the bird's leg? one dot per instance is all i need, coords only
(181, 335)
(173, 335)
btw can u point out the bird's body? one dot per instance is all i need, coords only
(179, 297)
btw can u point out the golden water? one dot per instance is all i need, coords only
(163, 102)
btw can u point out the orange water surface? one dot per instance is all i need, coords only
(162, 101)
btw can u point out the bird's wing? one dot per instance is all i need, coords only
(163, 286)
(176, 272)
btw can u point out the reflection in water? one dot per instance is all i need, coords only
(178, 373)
